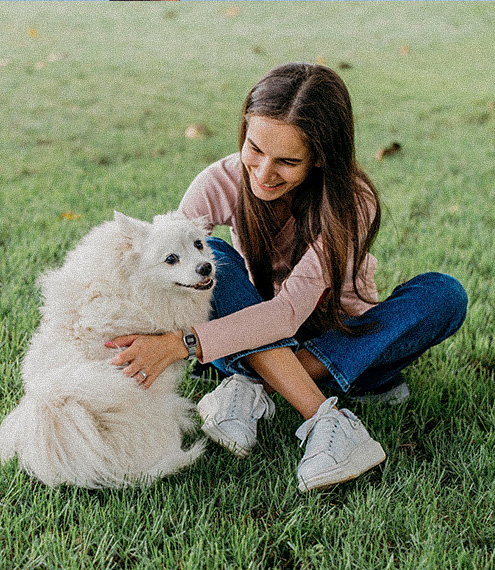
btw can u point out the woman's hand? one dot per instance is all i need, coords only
(147, 356)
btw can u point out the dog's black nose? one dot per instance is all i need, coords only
(204, 269)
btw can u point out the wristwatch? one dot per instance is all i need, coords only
(191, 343)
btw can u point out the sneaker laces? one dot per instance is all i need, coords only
(263, 405)
(325, 409)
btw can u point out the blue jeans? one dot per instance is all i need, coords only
(418, 315)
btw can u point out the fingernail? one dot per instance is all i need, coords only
(110, 344)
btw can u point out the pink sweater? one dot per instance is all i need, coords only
(213, 194)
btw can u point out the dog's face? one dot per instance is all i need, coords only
(171, 253)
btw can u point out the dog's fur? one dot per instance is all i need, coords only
(81, 420)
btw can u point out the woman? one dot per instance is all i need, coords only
(295, 305)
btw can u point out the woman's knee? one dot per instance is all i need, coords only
(220, 247)
(233, 290)
(448, 296)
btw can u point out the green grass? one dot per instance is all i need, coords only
(95, 100)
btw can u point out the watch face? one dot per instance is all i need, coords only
(190, 340)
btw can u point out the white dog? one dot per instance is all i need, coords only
(81, 420)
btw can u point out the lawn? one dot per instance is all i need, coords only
(96, 100)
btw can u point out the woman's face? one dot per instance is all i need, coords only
(276, 157)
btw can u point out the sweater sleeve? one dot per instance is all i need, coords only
(268, 321)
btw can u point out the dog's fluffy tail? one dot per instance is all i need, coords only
(64, 442)
(57, 442)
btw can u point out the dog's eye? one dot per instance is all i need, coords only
(172, 259)
(198, 244)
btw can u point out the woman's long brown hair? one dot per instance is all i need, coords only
(332, 202)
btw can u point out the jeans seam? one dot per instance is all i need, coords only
(233, 365)
(337, 375)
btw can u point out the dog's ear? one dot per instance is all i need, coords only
(176, 215)
(203, 224)
(133, 231)
(173, 215)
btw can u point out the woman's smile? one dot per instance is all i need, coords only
(276, 157)
(268, 187)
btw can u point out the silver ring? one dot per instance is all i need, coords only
(144, 374)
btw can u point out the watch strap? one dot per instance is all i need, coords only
(191, 343)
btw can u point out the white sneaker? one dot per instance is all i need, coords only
(231, 413)
(338, 448)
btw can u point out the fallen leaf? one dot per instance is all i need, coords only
(33, 33)
(320, 60)
(344, 65)
(388, 151)
(196, 132)
(70, 216)
(405, 50)
(232, 12)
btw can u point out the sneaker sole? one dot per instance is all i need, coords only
(362, 459)
(215, 434)
(212, 430)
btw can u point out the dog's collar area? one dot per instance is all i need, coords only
(202, 286)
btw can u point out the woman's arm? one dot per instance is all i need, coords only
(269, 321)
(151, 354)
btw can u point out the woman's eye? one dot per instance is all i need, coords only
(198, 244)
(172, 259)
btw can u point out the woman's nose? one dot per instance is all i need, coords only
(265, 171)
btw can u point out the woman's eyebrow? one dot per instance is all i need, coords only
(290, 159)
